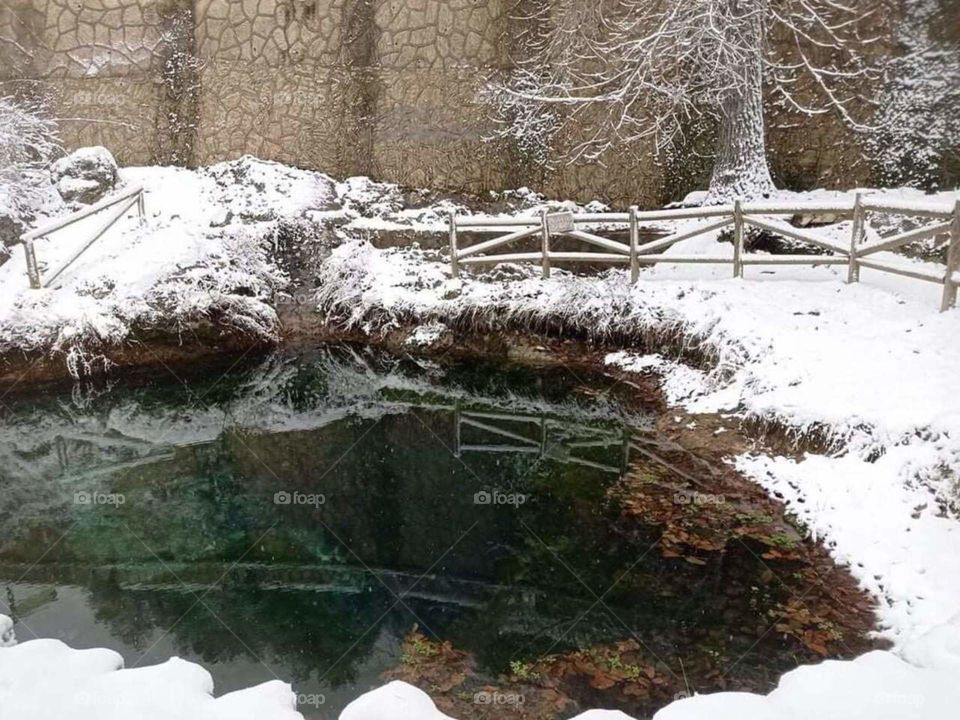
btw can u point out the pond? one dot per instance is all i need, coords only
(332, 517)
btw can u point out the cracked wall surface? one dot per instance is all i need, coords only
(387, 88)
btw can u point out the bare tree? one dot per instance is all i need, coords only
(644, 70)
(28, 141)
(916, 135)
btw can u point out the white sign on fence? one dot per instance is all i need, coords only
(558, 223)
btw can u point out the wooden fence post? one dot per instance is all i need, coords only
(33, 270)
(634, 244)
(856, 237)
(454, 260)
(737, 239)
(545, 246)
(953, 262)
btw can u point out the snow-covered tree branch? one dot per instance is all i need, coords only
(28, 141)
(635, 70)
(916, 131)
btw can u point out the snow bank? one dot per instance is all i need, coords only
(393, 700)
(47, 679)
(204, 250)
(876, 686)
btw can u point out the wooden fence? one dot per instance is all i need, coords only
(121, 203)
(738, 216)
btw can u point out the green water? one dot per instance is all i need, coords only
(295, 518)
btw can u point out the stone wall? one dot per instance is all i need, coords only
(386, 88)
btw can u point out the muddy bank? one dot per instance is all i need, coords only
(23, 371)
(301, 326)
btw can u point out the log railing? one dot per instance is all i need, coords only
(119, 204)
(764, 216)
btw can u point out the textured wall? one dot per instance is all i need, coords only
(380, 87)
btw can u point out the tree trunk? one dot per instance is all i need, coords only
(740, 168)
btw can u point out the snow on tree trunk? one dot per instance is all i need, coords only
(740, 168)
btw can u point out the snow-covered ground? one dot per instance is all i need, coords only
(868, 366)
(47, 679)
(201, 249)
(871, 366)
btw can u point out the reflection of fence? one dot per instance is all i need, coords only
(547, 438)
(121, 202)
(739, 216)
(537, 440)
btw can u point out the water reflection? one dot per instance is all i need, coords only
(298, 518)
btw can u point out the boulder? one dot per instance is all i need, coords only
(11, 227)
(86, 175)
(12, 222)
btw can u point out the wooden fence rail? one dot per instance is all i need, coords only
(119, 204)
(764, 216)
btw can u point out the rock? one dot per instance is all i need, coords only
(11, 228)
(85, 176)
(816, 219)
(7, 637)
(12, 222)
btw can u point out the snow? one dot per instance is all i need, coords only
(46, 678)
(869, 367)
(876, 686)
(202, 249)
(8, 637)
(394, 701)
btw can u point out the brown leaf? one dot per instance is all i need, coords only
(452, 681)
(817, 647)
(602, 681)
(635, 690)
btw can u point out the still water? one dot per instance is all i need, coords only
(297, 517)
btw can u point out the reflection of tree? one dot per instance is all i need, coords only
(292, 582)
